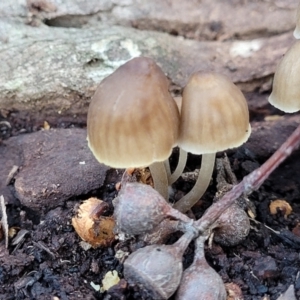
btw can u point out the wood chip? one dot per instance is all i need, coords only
(4, 220)
(280, 205)
(19, 237)
(11, 174)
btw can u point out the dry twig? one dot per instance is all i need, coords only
(250, 182)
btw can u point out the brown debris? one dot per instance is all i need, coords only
(282, 206)
(234, 292)
(92, 227)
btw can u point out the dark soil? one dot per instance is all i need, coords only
(49, 263)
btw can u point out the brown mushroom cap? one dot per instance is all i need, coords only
(214, 114)
(132, 119)
(297, 29)
(286, 84)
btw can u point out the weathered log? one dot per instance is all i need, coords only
(56, 70)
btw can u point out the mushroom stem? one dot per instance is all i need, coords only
(189, 200)
(167, 166)
(160, 178)
(180, 166)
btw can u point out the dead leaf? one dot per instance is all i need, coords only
(143, 175)
(296, 229)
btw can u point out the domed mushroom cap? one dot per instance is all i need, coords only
(286, 84)
(132, 119)
(297, 29)
(214, 114)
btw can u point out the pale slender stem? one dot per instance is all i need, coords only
(250, 182)
(203, 180)
(160, 178)
(167, 167)
(180, 166)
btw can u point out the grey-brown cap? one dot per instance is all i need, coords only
(132, 119)
(214, 114)
(286, 84)
(297, 29)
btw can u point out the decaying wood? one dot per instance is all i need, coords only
(55, 70)
(200, 20)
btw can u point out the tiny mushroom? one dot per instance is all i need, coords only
(133, 121)
(286, 84)
(297, 29)
(214, 117)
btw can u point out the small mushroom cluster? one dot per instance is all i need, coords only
(134, 122)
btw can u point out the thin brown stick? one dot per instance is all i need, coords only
(250, 182)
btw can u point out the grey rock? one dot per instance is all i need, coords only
(10, 156)
(289, 294)
(267, 136)
(55, 166)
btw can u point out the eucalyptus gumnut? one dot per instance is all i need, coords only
(139, 209)
(200, 281)
(232, 226)
(157, 269)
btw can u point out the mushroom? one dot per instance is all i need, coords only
(286, 84)
(133, 120)
(297, 29)
(214, 117)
